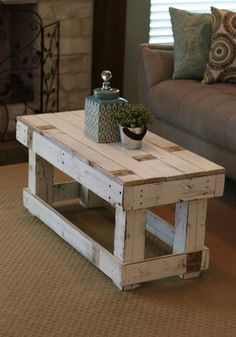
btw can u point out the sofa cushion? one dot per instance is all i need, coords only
(192, 36)
(221, 66)
(205, 111)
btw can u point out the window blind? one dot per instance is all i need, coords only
(160, 30)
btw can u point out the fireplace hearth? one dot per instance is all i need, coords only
(29, 65)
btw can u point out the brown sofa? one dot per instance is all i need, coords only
(200, 117)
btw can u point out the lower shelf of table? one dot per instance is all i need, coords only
(124, 275)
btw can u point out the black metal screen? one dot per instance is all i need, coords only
(29, 63)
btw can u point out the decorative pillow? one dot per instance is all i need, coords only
(192, 37)
(221, 66)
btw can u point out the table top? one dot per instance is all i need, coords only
(158, 160)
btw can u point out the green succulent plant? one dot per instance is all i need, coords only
(133, 115)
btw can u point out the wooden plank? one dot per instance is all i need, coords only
(158, 141)
(220, 184)
(92, 158)
(129, 237)
(117, 154)
(190, 224)
(190, 233)
(156, 268)
(165, 167)
(35, 122)
(24, 134)
(86, 154)
(200, 162)
(166, 151)
(89, 199)
(86, 246)
(160, 228)
(82, 172)
(162, 170)
(181, 164)
(40, 177)
(66, 191)
(169, 192)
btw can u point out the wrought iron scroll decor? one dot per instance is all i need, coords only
(29, 63)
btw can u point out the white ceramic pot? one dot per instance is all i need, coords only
(131, 138)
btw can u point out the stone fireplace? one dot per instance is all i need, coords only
(75, 18)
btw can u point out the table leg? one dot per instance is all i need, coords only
(40, 178)
(89, 199)
(190, 221)
(129, 237)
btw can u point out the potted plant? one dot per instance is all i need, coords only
(132, 120)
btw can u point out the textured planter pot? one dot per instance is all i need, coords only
(131, 138)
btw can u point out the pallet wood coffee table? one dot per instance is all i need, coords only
(160, 173)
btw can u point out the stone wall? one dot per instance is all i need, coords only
(76, 20)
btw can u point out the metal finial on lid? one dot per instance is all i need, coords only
(106, 92)
(106, 75)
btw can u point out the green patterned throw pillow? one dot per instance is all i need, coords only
(221, 66)
(192, 36)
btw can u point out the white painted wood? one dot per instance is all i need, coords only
(107, 150)
(129, 237)
(190, 224)
(170, 159)
(40, 177)
(201, 208)
(165, 166)
(66, 191)
(77, 169)
(181, 223)
(158, 141)
(94, 252)
(202, 163)
(160, 228)
(220, 184)
(89, 199)
(169, 192)
(131, 183)
(157, 268)
(23, 134)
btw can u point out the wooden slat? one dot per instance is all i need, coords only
(157, 268)
(160, 228)
(169, 170)
(94, 252)
(166, 151)
(200, 162)
(162, 170)
(129, 237)
(190, 226)
(66, 191)
(35, 122)
(110, 151)
(40, 177)
(169, 192)
(181, 164)
(158, 141)
(171, 163)
(70, 164)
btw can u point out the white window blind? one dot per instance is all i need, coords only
(160, 26)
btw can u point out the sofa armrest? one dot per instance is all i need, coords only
(155, 64)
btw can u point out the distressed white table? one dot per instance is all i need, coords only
(160, 173)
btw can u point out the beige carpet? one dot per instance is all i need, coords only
(47, 289)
